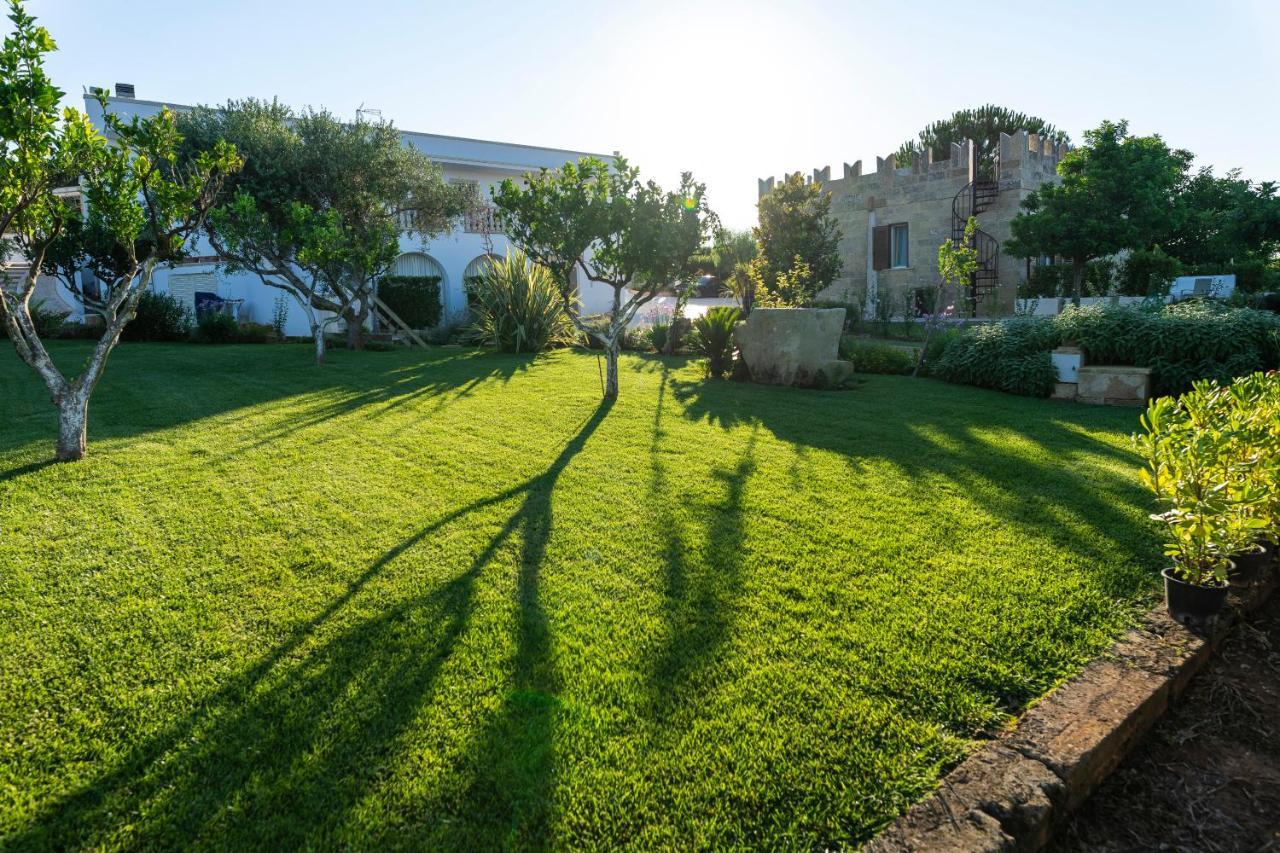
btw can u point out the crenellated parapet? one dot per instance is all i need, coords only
(1027, 152)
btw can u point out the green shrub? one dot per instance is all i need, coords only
(48, 322)
(1180, 343)
(217, 328)
(937, 345)
(518, 308)
(255, 333)
(872, 357)
(414, 298)
(656, 335)
(713, 338)
(159, 317)
(1012, 356)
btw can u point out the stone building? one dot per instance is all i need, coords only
(892, 221)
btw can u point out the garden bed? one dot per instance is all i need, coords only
(446, 599)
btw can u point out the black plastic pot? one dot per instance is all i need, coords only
(1191, 604)
(1249, 567)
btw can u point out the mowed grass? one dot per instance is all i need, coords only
(447, 600)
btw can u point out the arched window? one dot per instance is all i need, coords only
(478, 266)
(409, 291)
(417, 265)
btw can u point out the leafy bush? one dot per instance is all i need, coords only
(937, 345)
(1213, 461)
(518, 308)
(871, 357)
(217, 328)
(1148, 272)
(256, 333)
(657, 333)
(453, 332)
(1048, 281)
(414, 298)
(280, 315)
(713, 338)
(159, 317)
(1180, 343)
(1012, 356)
(47, 321)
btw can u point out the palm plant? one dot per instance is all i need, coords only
(713, 338)
(517, 307)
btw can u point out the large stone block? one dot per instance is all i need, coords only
(1113, 385)
(789, 346)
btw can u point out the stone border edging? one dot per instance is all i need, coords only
(1013, 792)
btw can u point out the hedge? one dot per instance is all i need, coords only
(416, 299)
(1180, 343)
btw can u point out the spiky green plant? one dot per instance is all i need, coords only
(713, 338)
(518, 308)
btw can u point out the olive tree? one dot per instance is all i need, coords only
(143, 204)
(613, 228)
(321, 204)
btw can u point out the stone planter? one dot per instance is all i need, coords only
(1114, 385)
(790, 346)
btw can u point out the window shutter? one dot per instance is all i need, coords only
(880, 247)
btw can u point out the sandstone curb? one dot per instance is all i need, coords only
(1013, 792)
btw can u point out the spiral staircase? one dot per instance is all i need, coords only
(975, 197)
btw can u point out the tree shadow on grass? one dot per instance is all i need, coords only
(280, 755)
(151, 387)
(698, 603)
(19, 471)
(932, 438)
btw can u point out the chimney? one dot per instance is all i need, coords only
(124, 90)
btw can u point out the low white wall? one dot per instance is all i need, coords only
(665, 306)
(1052, 306)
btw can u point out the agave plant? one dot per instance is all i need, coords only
(517, 307)
(713, 338)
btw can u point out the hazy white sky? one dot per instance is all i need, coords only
(730, 91)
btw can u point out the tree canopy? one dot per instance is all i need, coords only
(1117, 191)
(143, 203)
(319, 209)
(981, 124)
(614, 229)
(798, 242)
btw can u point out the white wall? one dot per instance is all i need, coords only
(483, 161)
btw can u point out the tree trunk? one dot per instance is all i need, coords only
(355, 329)
(1077, 280)
(73, 421)
(317, 335)
(611, 372)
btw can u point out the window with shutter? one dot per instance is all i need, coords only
(880, 247)
(898, 255)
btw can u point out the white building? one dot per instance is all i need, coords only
(452, 256)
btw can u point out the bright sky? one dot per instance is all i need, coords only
(731, 91)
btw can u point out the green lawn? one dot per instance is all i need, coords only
(447, 600)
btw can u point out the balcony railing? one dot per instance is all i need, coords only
(482, 220)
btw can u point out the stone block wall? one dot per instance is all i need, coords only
(921, 194)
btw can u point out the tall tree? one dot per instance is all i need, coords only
(614, 229)
(321, 205)
(143, 205)
(798, 242)
(1225, 223)
(1117, 192)
(981, 124)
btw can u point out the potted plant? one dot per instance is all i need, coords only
(1246, 414)
(1211, 506)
